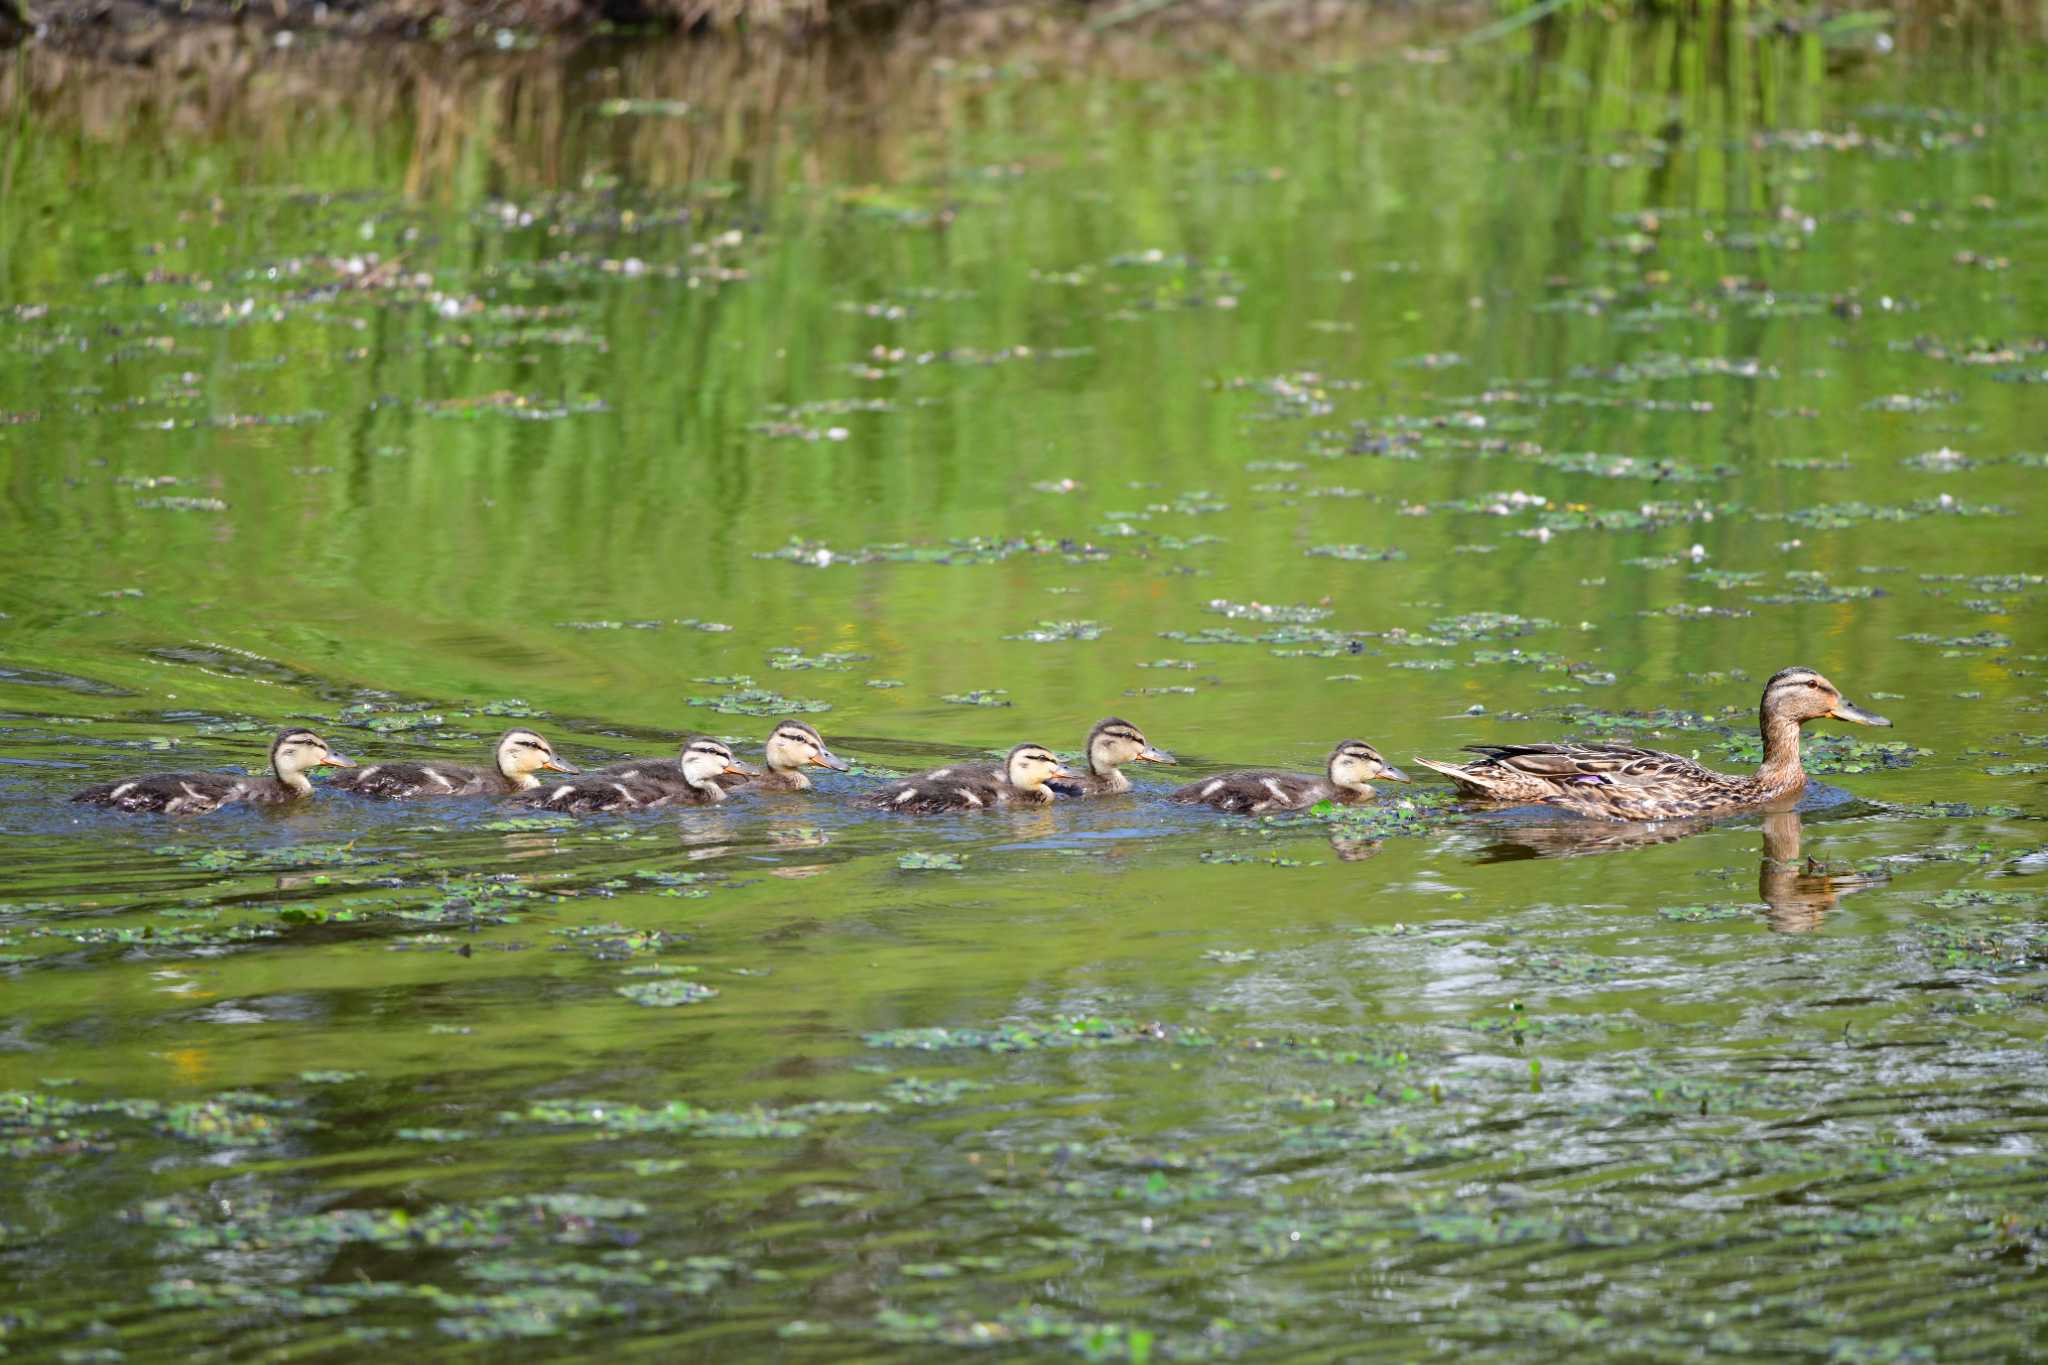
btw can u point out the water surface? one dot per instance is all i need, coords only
(1568, 390)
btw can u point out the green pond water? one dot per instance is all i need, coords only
(1566, 387)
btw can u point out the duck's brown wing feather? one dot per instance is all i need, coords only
(174, 793)
(1243, 793)
(596, 792)
(1599, 763)
(962, 787)
(640, 770)
(396, 781)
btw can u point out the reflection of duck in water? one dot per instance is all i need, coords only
(1800, 892)
(1574, 838)
(1622, 782)
(1349, 850)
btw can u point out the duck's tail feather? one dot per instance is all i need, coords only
(1461, 777)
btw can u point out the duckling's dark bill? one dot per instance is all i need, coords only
(1856, 715)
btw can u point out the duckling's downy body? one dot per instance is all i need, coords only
(517, 757)
(1623, 782)
(690, 782)
(792, 746)
(1023, 780)
(1354, 765)
(292, 754)
(1111, 744)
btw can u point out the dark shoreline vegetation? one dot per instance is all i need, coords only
(146, 31)
(1440, 377)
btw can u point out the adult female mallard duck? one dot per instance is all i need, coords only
(693, 782)
(292, 753)
(1353, 767)
(1023, 780)
(792, 746)
(1111, 744)
(1623, 782)
(519, 755)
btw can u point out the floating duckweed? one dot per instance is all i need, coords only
(968, 550)
(1706, 914)
(1833, 753)
(1358, 553)
(1531, 658)
(1056, 632)
(914, 1090)
(1983, 639)
(1837, 516)
(918, 861)
(984, 696)
(1266, 611)
(1488, 625)
(677, 1116)
(666, 993)
(759, 701)
(1655, 470)
(1083, 1031)
(792, 658)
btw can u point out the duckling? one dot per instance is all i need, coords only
(1354, 765)
(518, 756)
(1023, 780)
(1623, 782)
(694, 783)
(1111, 744)
(792, 746)
(291, 754)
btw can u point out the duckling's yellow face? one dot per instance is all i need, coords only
(1801, 695)
(1356, 765)
(1114, 743)
(294, 751)
(704, 759)
(795, 745)
(521, 753)
(1031, 766)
